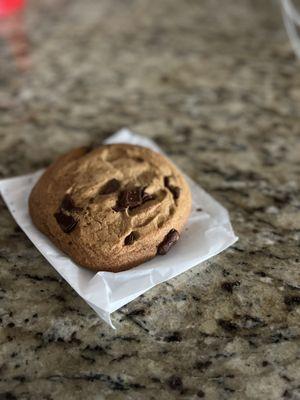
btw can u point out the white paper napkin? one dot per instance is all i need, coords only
(208, 233)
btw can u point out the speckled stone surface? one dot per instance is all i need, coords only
(217, 86)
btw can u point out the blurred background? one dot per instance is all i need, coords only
(72, 72)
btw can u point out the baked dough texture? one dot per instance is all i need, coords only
(112, 207)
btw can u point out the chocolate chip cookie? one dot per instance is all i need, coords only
(112, 207)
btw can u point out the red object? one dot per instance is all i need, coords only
(8, 7)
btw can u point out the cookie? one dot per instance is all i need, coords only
(112, 207)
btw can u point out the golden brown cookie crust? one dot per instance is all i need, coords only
(110, 208)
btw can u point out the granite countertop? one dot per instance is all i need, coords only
(217, 86)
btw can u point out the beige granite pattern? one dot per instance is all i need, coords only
(217, 86)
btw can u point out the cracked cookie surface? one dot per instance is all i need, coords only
(112, 207)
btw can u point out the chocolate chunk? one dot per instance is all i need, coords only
(139, 159)
(68, 204)
(175, 190)
(132, 237)
(169, 240)
(66, 222)
(129, 198)
(132, 198)
(110, 187)
(166, 181)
